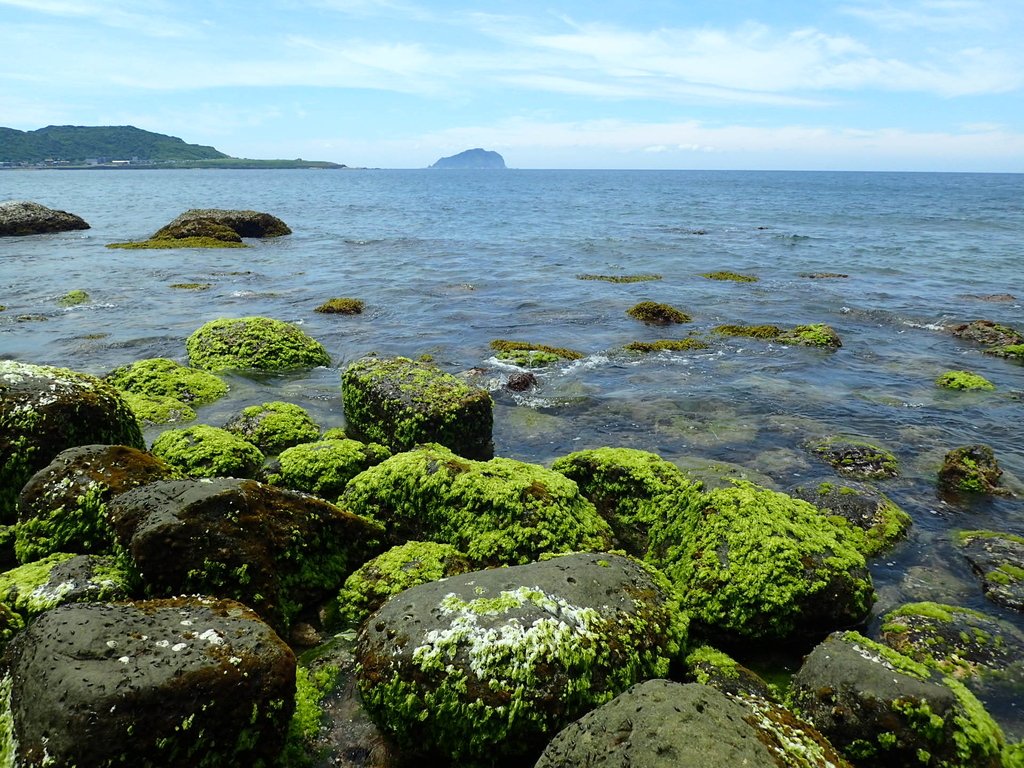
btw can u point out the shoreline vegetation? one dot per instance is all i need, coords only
(237, 163)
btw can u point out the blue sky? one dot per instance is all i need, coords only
(760, 84)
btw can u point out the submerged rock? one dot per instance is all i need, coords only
(44, 410)
(188, 681)
(487, 666)
(254, 343)
(998, 558)
(498, 512)
(401, 403)
(274, 550)
(971, 469)
(857, 459)
(988, 333)
(23, 217)
(885, 710)
(813, 335)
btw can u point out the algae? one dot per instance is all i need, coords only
(342, 306)
(654, 313)
(963, 380)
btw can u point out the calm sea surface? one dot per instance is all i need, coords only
(447, 261)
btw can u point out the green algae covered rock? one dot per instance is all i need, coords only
(813, 335)
(633, 490)
(323, 468)
(273, 427)
(963, 380)
(750, 331)
(498, 512)
(182, 242)
(753, 563)
(153, 410)
(39, 586)
(731, 276)
(277, 551)
(401, 403)
(254, 343)
(971, 469)
(855, 458)
(205, 451)
(63, 506)
(162, 377)
(394, 571)
(881, 708)
(485, 667)
(998, 559)
(988, 333)
(513, 351)
(668, 345)
(44, 410)
(653, 313)
(342, 306)
(883, 522)
(245, 223)
(1009, 351)
(74, 298)
(197, 228)
(184, 682)
(956, 641)
(709, 666)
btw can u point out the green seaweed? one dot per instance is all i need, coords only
(162, 377)
(733, 276)
(961, 380)
(182, 242)
(506, 345)
(655, 313)
(342, 306)
(751, 331)
(205, 451)
(668, 345)
(74, 298)
(254, 343)
(621, 278)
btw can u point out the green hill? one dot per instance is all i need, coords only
(76, 144)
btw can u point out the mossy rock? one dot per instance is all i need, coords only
(750, 331)
(162, 377)
(528, 358)
(63, 506)
(653, 313)
(998, 559)
(254, 343)
(74, 298)
(205, 451)
(988, 333)
(484, 668)
(508, 348)
(881, 708)
(44, 410)
(1009, 351)
(956, 641)
(153, 410)
(813, 335)
(631, 489)
(883, 522)
(401, 403)
(960, 380)
(24, 217)
(971, 469)
(272, 427)
(323, 468)
(197, 228)
(394, 571)
(735, 277)
(621, 278)
(498, 512)
(709, 666)
(39, 586)
(757, 564)
(245, 223)
(342, 306)
(854, 458)
(668, 345)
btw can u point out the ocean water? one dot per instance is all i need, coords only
(447, 261)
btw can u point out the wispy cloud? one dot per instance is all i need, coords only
(930, 15)
(153, 19)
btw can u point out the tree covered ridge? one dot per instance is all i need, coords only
(76, 143)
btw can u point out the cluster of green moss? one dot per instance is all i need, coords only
(342, 306)
(971, 469)
(882, 522)
(162, 377)
(325, 467)
(734, 276)
(813, 335)
(505, 346)
(657, 314)
(1010, 351)
(74, 298)
(621, 278)
(158, 409)
(205, 451)
(272, 427)
(30, 589)
(255, 343)
(963, 380)
(191, 286)
(751, 331)
(183, 242)
(668, 345)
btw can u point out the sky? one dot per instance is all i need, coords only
(914, 85)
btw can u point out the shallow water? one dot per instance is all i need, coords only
(447, 261)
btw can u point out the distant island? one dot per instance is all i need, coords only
(120, 146)
(472, 158)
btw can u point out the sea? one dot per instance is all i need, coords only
(448, 261)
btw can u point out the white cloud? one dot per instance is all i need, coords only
(952, 16)
(151, 18)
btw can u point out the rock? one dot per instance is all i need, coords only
(963, 380)
(662, 724)
(487, 666)
(189, 681)
(243, 223)
(498, 512)
(205, 451)
(988, 333)
(632, 490)
(63, 506)
(341, 306)
(254, 343)
(44, 410)
(73, 298)
(273, 427)
(730, 276)
(653, 313)
(407, 565)
(757, 564)
(472, 159)
(401, 403)
(857, 459)
(956, 641)
(162, 377)
(882, 709)
(40, 586)
(709, 666)
(22, 217)
(813, 335)
(197, 227)
(154, 410)
(521, 382)
(971, 469)
(274, 550)
(323, 468)
(998, 558)
(883, 522)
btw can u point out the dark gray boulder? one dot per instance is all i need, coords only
(883, 522)
(190, 681)
(275, 550)
(485, 667)
(45, 410)
(885, 710)
(662, 724)
(998, 560)
(211, 221)
(23, 217)
(971, 469)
